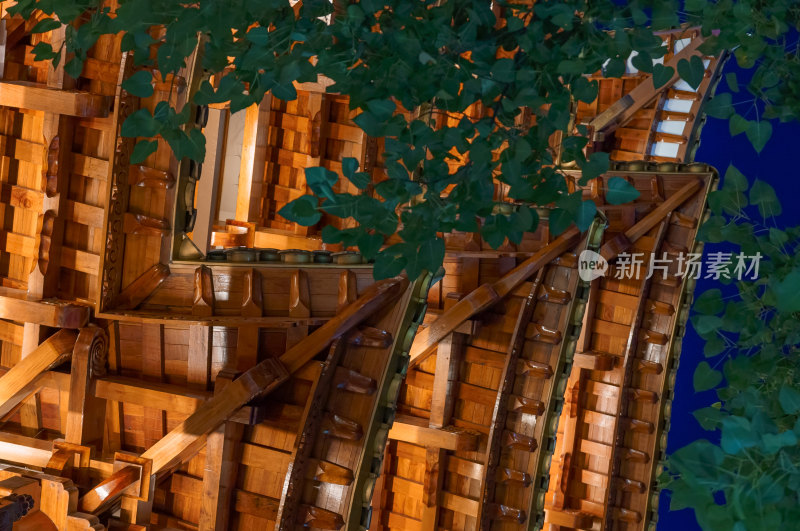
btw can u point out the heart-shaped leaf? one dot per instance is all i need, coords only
(620, 191)
(705, 377)
(720, 106)
(142, 150)
(302, 210)
(692, 71)
(139, 84)
(662, 74)
(737, 124)
(759, 132)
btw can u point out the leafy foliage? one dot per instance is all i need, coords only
(408, 65)
(750, 480)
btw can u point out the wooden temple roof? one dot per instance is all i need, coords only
(144, 385)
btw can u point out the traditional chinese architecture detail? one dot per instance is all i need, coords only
(260, 379)
(125, 105)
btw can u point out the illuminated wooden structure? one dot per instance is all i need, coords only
(145, 385)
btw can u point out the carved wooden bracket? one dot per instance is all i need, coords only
(204, 300)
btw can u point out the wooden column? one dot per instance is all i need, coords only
(448, 355)
(43, 280)
(222, 463)
(155, 419)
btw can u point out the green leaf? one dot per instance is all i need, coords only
(720, 106)
(387, 265)
(734, 179)
(321, 181)
(596, 165)
(371, 125)
(614, 68)
(302, 211)
(759, 132)
(494, 230)
(787, 292)
(709, 302)
(47, 24)
(360, 180)
(139, 84)
(692, 71)
(503, 70)
(662, 74)
(585, 90)
(737, 124)
(140, 123)
(763, 195)
(381, 109)
(705, 325)
(695, 6)
(643, 61)
(44, 52)
(74, 67)
(773, 443)
(732, 81)
(369, 245)
(560, 220)
(349, 166)
(738, 434)
(714, 346)
(708, 417)
(585, 215)
(705, 377)
(620, 191)
(142, 150)
(429, 257)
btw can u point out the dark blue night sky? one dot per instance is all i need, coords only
(776, 164)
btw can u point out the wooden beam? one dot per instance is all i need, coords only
(177, 400)
(86, 413)
(55, 314)
(52, 351)
(624, 241)
(20, 95)
(413, 430)
(486, 295)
